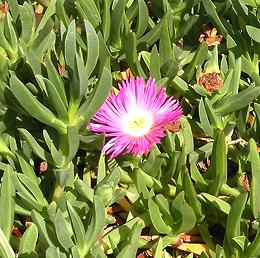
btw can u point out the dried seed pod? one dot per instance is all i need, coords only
(209, 35)
(210, 81)
(4, 7)
(41, 166)
(174, 126)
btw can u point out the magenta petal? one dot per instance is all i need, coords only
(134, 94)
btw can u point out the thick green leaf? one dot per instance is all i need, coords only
(197, 177)
(56, 155)
(33, 106)
(204, 121)
(131, 55)
(81, 85)
(101, 168)
(241, 242)
(255, 181)
(11, 33)
(165, 45)
(61, 12)
(157, 218)
(218, 167)
(56, 100)
(84, 190)
(116, 23)
(47, 43)
(192, 195)
(77, 227)
(134, 236)
(198, 59)
(215, 202)
(155, 64)
(56, 80)
(188, 144)
(47, 15)
(253, 32)
(96, 99)
(182, 87)
(234, 86)
(96, 224)
(7, 203)
(27, 184)
(70, 45)
(36, 148)
(215, 119)
(65, 174)
(158, 249)
(44, 231)
(28, 240)
(62, 231)
(122, 232)
(31, 58)
(13, 4)
(7, 120)
(5, 248)
(54, 252)
(27, 199)
(153, 35)
(73, 143)
(91, 11)
(27, 22)
(126, 252)
(140, 183)
(93, 48)
(234, 218)
(183, 215)
(164, 207)
(238, 101)
(143, 18)
(4, 43)
(75, 252)
(26, 167)
(187, 26)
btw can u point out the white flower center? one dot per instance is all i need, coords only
(138, 123)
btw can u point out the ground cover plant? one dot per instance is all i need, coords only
(129, 128)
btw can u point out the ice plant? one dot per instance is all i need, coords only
(211, 79)
(209, 35)
(135, 119)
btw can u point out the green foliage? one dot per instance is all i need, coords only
(59, 61)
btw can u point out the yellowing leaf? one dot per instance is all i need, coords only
(194, 248)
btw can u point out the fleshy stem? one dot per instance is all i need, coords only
(57, 191)
(63, 144)
(62, 149)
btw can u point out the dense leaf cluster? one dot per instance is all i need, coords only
(61, 197)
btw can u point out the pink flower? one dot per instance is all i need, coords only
(135, 119)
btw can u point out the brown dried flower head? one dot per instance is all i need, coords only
(209, 35)
(4, 7)
(42, 167)
(61, 69)
(210, 81)
(126, 74)
(174, 126)
(243, 179)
